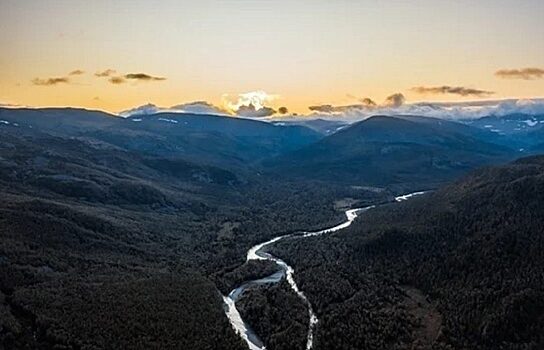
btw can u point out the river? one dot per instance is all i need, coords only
(258, 252)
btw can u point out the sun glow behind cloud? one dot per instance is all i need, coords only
(259, 99)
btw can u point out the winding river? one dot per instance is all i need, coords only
(258, 252)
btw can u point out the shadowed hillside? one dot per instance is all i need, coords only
(392, 150)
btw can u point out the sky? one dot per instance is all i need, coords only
(115, 55)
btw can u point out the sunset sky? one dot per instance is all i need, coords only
(301, 53)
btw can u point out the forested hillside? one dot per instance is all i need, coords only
(460, 268)
(125, 233)
(106, 247)
(393, 150)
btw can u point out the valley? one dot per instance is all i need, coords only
(134, 232)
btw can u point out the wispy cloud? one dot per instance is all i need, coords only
(50, 81)
(196, 107)
(121, 79)
(351, 113)
(199, 107)
(117, 80)
(251, 106)
(444, 110)
(143, 76)
(57, 80)
(395, 100)
(366, 101)
(528, 73)
(455, 90)
(10, 105)
(105, 73)
(77, 72)
(366, 105)
(327, 108)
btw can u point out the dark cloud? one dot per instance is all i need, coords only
(322, 108)
(339, 109)
(117, 80)
(368, 102)
(143, 77)
(121, 79)
(283, 110)
(251, 112)
(365, 100)
(365, 106)
(456, 90)
(105, 73)
(77, 72)
(395, 100)
(524, 73)
(50, 81)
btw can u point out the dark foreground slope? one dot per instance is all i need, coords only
(457, 269)
(392, 150)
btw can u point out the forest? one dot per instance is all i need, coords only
(459, 268)
(103, 247)
(112, 242)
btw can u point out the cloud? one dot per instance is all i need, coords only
(199, 107)
(338, 109)
(352, 113)
(105, 73)
(368, 102)
(146, 109)
(477, 109)
(50, 81)
(283, 110)
(443, 110)
(324, 108)
(121, 79)
(10, 105)
(251, 104)
(117, 80)
(456, 90)
(529, 73)
(56, 80)
(77, 72)
(251, 111)
(395, 100)
(196, 107)
(365, 106)
(143, 77)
